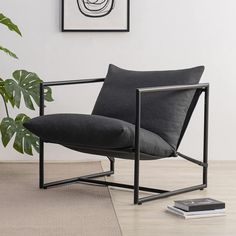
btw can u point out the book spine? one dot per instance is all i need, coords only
(206, 207)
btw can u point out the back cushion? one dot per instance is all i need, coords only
(163, 113)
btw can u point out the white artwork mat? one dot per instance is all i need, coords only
(74, 19)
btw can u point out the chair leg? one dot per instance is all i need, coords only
(137, 147)
(205, 169)
(136, 179)
(112, 165)
(205, 161)
(136, 174)
(41, 164)
(205, 137)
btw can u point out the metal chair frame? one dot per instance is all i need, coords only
(159, 193)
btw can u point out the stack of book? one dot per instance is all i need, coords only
(197, 208)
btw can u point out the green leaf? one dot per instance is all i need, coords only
(24, 141)
(26, 84)
(7, 51)
(2, 89)
(4, 94)
(9, 24)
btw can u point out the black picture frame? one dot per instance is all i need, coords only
(63, 29)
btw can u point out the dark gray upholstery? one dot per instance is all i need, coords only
(85, 132)
(109, 131)
(163, 113)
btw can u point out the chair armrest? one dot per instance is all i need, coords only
(59, 83)
(172, 88)
(139, 91)
(69, 82)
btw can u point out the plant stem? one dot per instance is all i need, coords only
(5, 106)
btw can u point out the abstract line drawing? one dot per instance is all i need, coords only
(96, 8)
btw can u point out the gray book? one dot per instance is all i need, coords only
(199, 204)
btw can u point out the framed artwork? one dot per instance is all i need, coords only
(95, 15)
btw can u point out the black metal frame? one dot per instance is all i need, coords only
(139, 92)
(95, 30)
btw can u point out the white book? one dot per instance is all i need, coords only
(196, 214)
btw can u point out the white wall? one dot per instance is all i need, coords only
(165, 34)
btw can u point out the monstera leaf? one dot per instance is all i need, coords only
(26, 84)
(2, 89)
(24, 140)
(9, 24)
(7, 51)
(4, 94)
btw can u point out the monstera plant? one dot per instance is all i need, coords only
(23, 86)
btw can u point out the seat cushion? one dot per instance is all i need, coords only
(93, 131)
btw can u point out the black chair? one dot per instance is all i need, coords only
(138, 116)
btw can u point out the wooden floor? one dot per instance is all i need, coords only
(152, 219)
